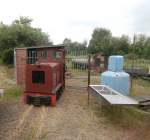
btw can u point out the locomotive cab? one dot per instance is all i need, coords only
(44, 77)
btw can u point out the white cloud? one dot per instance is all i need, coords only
(74, 19)
(141, 14)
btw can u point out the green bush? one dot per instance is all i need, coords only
(7, 56)
(12, 93)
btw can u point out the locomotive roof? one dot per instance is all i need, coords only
(61, 46)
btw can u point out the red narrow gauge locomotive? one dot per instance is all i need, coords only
(44, 75)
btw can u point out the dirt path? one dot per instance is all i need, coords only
(10, 114)
(71, 119)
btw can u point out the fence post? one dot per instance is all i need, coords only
(133, 62)
(149, 69)
(89, 76)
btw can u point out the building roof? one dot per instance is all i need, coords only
(51, 46)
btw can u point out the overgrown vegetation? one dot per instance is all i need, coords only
(121, 116)
(12, 93)
(140, 87)
(7, 56)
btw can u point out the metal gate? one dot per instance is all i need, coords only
(76, 69)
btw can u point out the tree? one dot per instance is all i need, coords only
(146, 50)
(120, 45)
(23, 21)
(7, 56)
(140, 44)
(20, 33)
(73, 46)
(101, 41)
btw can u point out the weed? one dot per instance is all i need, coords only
(140, 87)
(12, 93)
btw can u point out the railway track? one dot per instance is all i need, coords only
(32, 123)
(21, 122)
(9, 114)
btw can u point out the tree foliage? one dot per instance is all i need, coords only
(103, 41)
(120, 45)
(21, 33)
(72, 46)
(7, 56)
(100, 41)
(141, 46)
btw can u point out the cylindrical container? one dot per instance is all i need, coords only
(115, 77)
(115, 63)
(119, 81)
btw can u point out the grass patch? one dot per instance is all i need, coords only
(125, 117)
(12, 93)
(142, 82)
(121, 116)
(140, 87)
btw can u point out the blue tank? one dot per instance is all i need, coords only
(115, 77)
(115, 63)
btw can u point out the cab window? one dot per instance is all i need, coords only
(57, 54)
(44, 54)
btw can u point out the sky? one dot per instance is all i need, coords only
(76, 19)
